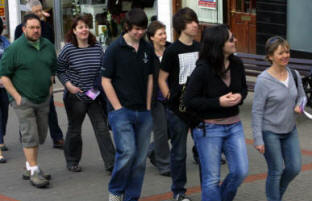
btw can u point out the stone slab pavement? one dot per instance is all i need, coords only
(91, 184)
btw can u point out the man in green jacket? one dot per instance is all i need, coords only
(27, 68)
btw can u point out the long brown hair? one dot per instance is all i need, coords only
(71, 37)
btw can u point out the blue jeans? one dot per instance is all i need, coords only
(283, 157)
(177, 131)
(4, 109)
(131, 131)
(210, 144)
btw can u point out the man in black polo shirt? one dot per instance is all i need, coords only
(128, 81)
(176, 66)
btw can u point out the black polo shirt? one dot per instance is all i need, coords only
(129, 71)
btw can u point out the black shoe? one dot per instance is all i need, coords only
(59, 144)
(74, 168)
(195, 155)
(110, 169)
(166, 174)
(2, 160)
(182, 197)
(152, 158)
(4, 148)
(223, 161)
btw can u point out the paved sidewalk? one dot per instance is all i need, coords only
(91, 184)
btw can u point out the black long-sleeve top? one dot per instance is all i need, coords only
(205, 88)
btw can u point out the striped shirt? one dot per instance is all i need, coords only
(80, 66)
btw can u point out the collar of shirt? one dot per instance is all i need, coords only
(35, 44)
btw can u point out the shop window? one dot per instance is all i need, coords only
(208, 11)
(299, 27)
(246, 6)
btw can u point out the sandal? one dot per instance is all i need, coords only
(74, 168)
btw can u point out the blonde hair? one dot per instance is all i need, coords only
(272, 45)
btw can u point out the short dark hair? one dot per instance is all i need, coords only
(212, 46)
(135, 17)
(1, 26)
(153, 27)
(71, 37)
(30, 17)
(183, 17)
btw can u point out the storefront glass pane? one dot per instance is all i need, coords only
(298, 25)
(96, 10)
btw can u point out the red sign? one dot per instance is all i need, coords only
(212, 4)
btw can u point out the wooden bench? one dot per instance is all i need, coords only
(255, 64)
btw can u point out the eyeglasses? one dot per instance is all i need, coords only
(231, 39)
(33, 27)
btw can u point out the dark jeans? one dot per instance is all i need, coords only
(131, 131)
(76, 111)
(55, 131)
(4, 108)
(159, 151)
(283, 157)
(178, 136)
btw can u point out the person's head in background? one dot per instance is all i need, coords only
(156, 33)
(35, 7)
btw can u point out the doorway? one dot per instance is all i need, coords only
(242, 21)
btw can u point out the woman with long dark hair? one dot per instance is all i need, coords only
(79, 66)
(216, 88)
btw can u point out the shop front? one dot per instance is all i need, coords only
(106, 16)
(251, 21)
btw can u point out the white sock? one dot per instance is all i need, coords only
(34, 169)
(27, 166)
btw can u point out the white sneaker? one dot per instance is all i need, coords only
(182, 197)
(112, 197)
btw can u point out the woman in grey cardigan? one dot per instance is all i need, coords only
(278, 94)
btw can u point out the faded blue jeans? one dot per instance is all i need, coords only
(210, 144)
(283, 157)
(131, 131)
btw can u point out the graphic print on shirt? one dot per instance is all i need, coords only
(187, 62)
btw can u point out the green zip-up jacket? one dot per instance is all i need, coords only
(29, 69)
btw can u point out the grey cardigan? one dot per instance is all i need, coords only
(273, 105)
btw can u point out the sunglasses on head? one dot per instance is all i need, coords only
(231, 39)
(274, 39)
